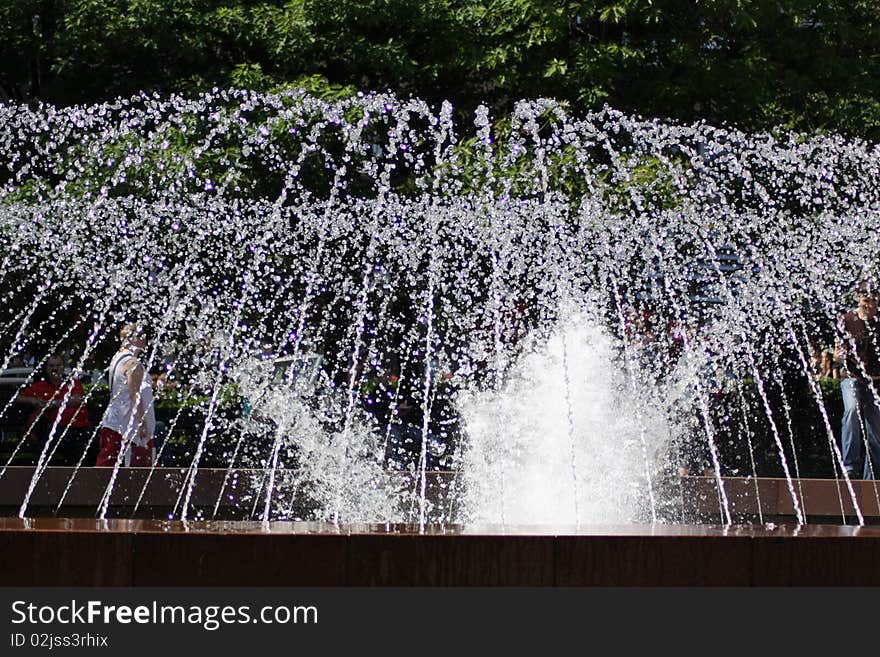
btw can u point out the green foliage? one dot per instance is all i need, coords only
(800, 64)
(831, 391)
(169, 399)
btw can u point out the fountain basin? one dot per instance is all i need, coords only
(47, 551)
(765, 499)
(770, 499)
(156, 494)
(79, 552)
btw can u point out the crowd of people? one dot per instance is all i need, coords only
(854, 361)
(58, 423)
(826, 361)
(60, 431)
(851, 361)
(57, 416)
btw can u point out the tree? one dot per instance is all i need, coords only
(800, 64)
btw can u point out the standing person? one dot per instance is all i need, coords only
(860, 347)
(829, 367)
(47, 397)
(130, 420)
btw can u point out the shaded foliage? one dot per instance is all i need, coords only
(801, 64)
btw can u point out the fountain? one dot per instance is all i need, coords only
(372, 321)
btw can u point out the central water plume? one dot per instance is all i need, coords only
(567, 440)
(431, 270)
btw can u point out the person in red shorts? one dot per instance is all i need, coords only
(51, 396)
(126, 436)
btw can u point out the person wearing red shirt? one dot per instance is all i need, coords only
(50, 397)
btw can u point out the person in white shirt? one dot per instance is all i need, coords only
(130, 420)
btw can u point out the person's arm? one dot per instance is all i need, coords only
(36, 402)
(30, 398)
(842, 346)
(134, 377)
(76, 393)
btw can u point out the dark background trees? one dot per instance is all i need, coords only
(802, 64)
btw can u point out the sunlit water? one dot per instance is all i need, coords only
(561, 442)
(551, 306)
